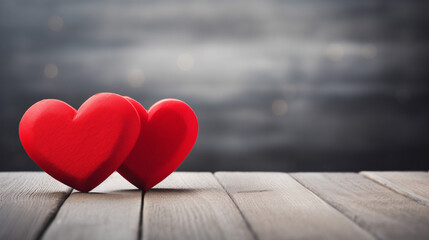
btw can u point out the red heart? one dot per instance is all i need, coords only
(168, 132)
(80, 148)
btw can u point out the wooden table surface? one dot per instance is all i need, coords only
(223, 205)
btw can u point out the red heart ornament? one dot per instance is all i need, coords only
(168, 132)
(80, 148)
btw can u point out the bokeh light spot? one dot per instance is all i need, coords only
(185, 62)
(136, 77)
(55, 23)
(335, 52)
(279, 107)
(369, 51)
(51, 71)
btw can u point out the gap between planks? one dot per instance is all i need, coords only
(110, 211)
(276, 206)
(191, 205)
(54, 215)
(28, 202)
(252, 231)
(379, 210)
(414, 185)
(140, 231)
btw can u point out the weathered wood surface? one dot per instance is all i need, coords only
(227, 205)
(278, 207)
(28, 202)
(110, 211)
(384, 213)
(414, 185)
(191, 206)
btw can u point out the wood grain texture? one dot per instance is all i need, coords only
(278, 207)
(28, 201)
(191, 206)
(110, 211)
(414, 185)
(384, 213)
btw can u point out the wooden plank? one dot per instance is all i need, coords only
(278, 207)
(28, 202)
(382, 212)
(110, 211)
(191, 206)
(414, 185)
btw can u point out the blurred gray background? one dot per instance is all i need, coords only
(294, 85)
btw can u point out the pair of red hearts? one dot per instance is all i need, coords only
(108, 132)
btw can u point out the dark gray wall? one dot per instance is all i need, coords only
(276, 85)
